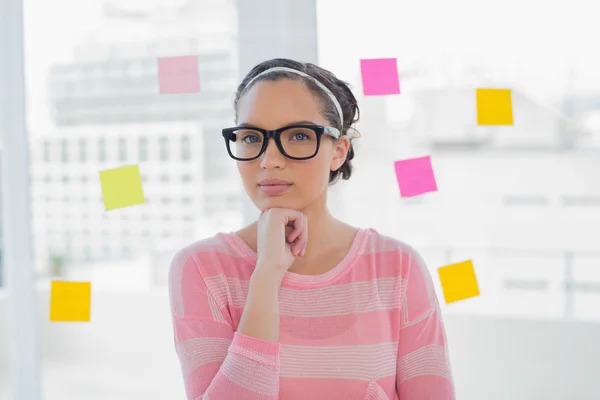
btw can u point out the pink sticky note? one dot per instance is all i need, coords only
(415, 176)
(380, 76)
(178, 75)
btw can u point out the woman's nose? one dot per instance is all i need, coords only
(272, 157)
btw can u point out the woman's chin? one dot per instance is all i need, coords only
(264, 204)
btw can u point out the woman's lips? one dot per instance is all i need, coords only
(275, 189)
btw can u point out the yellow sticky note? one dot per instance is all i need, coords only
(122, 187)
(458, 281)
(70, 301)
(494, 107)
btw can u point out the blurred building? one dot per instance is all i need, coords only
(106, 102)
(113, 78)
(539, 175)
(536, 126)
(70, 224)
(584, 106)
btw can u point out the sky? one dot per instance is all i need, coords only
(532, 39)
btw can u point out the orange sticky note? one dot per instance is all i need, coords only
(122, 187)
(178, 75)
(494, 107)
(70, 301)
(458, 281)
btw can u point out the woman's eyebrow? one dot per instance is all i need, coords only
(246, 125)
(303, 122)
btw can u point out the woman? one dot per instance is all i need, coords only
(299, 305)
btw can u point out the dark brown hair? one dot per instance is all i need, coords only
(340, 89)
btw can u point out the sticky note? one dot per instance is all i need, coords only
(494, 107)
(121, 187)
(380, 76)
(70, 301)
(178, 75)
(458, 281)
(415, 176)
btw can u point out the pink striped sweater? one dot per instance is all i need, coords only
(368, 329)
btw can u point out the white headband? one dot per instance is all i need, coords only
(319, 84)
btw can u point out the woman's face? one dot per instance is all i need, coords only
(272, 105)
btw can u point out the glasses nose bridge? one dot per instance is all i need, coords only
(271, 134)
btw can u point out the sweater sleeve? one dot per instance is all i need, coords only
(423, 368)
(217, 363)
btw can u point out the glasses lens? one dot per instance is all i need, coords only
(247, 143)
(296, 142)
(299, 142)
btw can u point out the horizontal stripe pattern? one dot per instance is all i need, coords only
(194, 353)
(363, 362)
(339, 299)
(251, 375)
(428, 360)
(371, 329)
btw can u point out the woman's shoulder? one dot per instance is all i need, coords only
(400, 257)
(395, 258)
(379, 243)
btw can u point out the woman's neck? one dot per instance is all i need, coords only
(326, 235)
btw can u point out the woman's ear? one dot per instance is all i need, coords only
(340, 151)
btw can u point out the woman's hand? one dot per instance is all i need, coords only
(282, 235)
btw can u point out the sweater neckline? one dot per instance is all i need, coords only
(349, 259)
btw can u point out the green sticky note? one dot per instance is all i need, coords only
(122, 187)
(494, 107)
(70, 301)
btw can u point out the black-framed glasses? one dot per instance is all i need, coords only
(298, 142)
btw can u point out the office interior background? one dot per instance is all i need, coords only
(523, 202)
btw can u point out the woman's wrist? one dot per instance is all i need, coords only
(267, 276)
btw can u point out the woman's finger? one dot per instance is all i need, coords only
(298, 225)
(303, 238)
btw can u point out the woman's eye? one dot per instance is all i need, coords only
(300, 136)
(250, 139)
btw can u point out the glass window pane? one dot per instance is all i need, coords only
(64, 151)
(143, 149)
(521, 201)
(122, 149)
(82, 150)
(163, 146)
(102, 150)
(93, 87)
(185, 148)
(496, 182)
